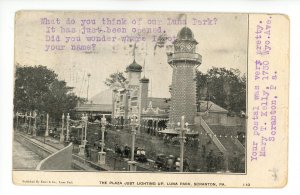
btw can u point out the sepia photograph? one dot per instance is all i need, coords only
(141, 97)
(155, 93)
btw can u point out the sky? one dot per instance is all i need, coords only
(222, 42)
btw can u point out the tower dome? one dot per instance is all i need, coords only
(185, 34)
(185, 41)
(134, 67)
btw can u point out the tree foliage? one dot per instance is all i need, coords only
(115, 80)
(225, 87)
(38, 88)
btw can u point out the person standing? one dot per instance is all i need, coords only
(170, 163)
(138, 154)
(177, 164)
(143, 155)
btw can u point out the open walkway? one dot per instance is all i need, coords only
(24, 158)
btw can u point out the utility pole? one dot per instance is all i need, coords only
(85, 130)
(88, 85)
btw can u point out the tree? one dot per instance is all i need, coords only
(116, 79)
(225, 87)
(38, 88)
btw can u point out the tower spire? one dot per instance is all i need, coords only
(133, 52)
(144, 65)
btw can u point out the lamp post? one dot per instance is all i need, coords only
(183, 128)
(102, 154)
(25, 121)
(68, 128)
(82, 145)
(85, 130)
(29, 123)
(226, 163)
(62, 137)
(47, 125)
(82, 128)
(34, 123)
(132, 162)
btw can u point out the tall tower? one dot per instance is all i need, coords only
(184, 62)
(144, 84)
(132, 97)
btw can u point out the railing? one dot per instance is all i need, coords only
(211, 134)
(185, 56)
(238, 144)
(35, 145)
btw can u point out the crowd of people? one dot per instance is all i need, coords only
(173, 139)
(170, 163)
(212, 161)
(125, 152)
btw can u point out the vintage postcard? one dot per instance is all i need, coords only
(163, 99)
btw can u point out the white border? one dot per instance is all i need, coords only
(7, 10)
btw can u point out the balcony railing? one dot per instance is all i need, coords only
(177, 57)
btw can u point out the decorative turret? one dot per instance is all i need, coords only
(134, 67)
(184, 49)
(134, 73)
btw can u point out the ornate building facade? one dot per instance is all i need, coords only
(130, 99)
(126, 96)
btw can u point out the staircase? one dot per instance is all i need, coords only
(223, 138)
(210, 133)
